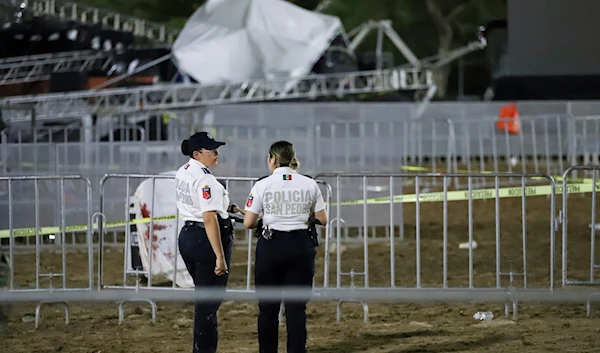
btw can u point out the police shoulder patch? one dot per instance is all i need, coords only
(206, 192)
(249, 201)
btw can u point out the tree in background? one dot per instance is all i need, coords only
(428, 27)
(456, 22)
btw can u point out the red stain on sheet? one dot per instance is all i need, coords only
(155, 227)
(170, 256)
(154, 242)
(145, 212)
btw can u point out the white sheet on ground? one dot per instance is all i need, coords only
(164, 244)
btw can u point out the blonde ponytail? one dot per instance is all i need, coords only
(294, 163)
(284, 154)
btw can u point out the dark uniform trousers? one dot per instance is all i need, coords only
(200, 259)
(287, 259)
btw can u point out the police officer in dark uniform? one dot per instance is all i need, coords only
(206, 239)
(285, 253)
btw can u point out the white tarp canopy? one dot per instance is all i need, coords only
(232, 41)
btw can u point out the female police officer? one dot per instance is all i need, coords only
(206, 238)
(285, 252)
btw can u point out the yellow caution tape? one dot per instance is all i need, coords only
(478, 194)
(583, 185)
(461, 171)
(31, 231)
(458, 195)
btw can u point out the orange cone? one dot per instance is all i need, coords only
(508, 119)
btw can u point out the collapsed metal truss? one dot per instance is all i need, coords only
(416, 75)
(183, 96)
(384, 27)
(39, 67)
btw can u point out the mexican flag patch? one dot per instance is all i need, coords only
(287, 177)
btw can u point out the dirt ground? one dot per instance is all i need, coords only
(392, 327)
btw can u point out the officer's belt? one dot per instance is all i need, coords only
(194, 224)
(305, 230)
(201, 224)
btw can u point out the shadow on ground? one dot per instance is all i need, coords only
(369, 340)
(372, 340)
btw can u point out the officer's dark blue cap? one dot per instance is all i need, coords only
(198, 141)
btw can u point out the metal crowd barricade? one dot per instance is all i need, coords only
(592, 186)
(71, 149)
(108, 131)
(326, 231)
(4, 152)
(575, 274)
(245, 152)
(155, 208)
(385, 146)
(361, 209)
(540, 146)
(348, 145)
(545, 144)
(584, 140)
(30, 211)
(157, 212)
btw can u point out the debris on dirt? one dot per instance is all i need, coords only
(494, 323)
(420, 324)
(333, 247)
(28, 318)
(183, 323)
(238, 312)
(466, 245)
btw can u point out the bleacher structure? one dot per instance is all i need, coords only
(72, 11)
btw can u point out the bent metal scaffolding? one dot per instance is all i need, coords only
(414, 76)
(352, 210)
